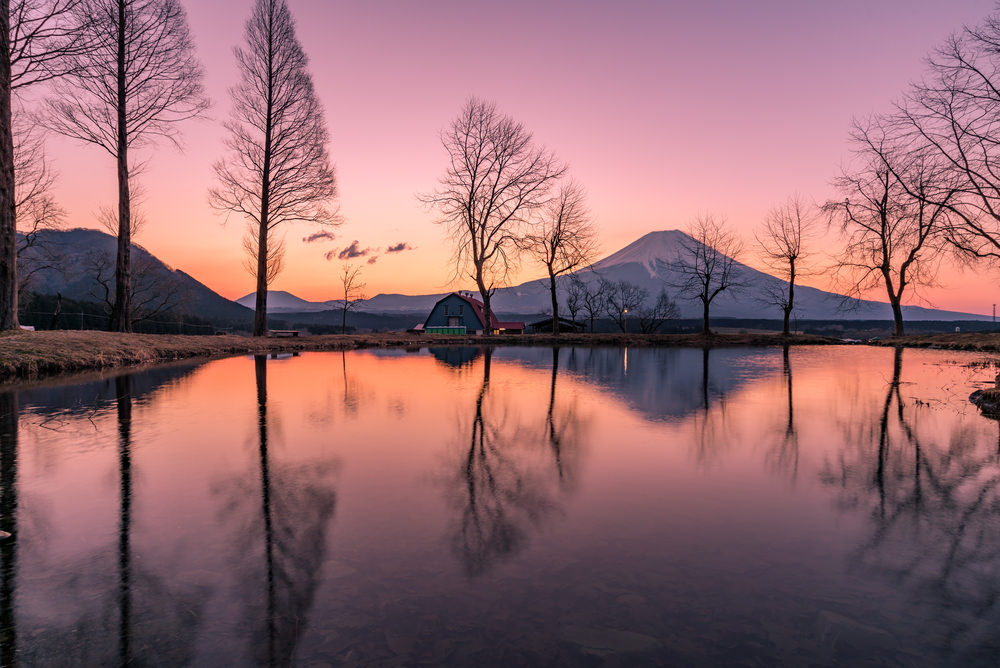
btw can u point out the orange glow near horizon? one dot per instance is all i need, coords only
(663, 111)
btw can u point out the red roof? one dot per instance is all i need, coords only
(478, 308)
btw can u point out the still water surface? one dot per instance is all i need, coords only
(818, 506)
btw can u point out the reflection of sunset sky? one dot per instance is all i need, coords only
(694, 506)
(663, 111)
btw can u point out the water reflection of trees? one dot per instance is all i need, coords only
(499, 493)
(283, 512)
(783, 456)
(8, 524)
(934, 509)
(130, 615)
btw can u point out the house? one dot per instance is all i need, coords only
(461, 313)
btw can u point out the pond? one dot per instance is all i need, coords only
(542, 506)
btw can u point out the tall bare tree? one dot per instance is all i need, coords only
(895, 217)
(278, 168)
(781, 241)
(350, 281)
(36, 39)
(951, 117)
(137, 80)
(707, 263)
(566, 239)
(496, 179)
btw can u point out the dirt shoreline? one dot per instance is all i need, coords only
(34, 355)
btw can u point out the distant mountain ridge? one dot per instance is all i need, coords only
(647, 261)
(67, 265)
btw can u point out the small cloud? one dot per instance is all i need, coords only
(372, 259)
(318, 236)
(353, 251)
(329, 255)
(399, 248)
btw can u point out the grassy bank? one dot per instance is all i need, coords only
(37, 354)
(973, 341)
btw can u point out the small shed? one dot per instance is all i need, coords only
(461, 313)
(545, 326)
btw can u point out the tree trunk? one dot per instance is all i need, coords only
(555, 303)
(343, 322)
(8, 222)
(704, 323)
(791, 297)
(487, 313)
(121, 312)
(897, 316)
(260, 305)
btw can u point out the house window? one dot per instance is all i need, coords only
(446, 309)
(454, 321)
(461, 309)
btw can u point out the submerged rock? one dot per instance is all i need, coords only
(987, 401)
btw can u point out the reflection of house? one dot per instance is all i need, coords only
(461, 313)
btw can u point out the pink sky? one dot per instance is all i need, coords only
(663, 110)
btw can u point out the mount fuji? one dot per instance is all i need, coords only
(648, 262)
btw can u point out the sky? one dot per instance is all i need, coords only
(663, 111)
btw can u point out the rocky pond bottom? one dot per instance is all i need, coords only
(543, 506)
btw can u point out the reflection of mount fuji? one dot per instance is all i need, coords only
(660, 383)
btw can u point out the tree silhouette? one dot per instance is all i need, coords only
(136, 81)
(707, 264)
(782, 240)
(277, 170)
(566, 240)
(37, 40)
(496, 179)
(894, 235)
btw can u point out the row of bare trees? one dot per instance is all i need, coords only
(121, 75)
(923, 188)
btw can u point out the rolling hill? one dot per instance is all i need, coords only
(68, 261)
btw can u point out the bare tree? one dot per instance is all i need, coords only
(576, 291)
(36, 39)
(151, 293)
(707, 263)
(496, 179)
(136, 81)
(594, 298)
(350, 280)
(566, 239)
(781, 241)
(278, 169)
(950, 117)
(652, 316)
(35, 205)
(620, 298)
(894, 233)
